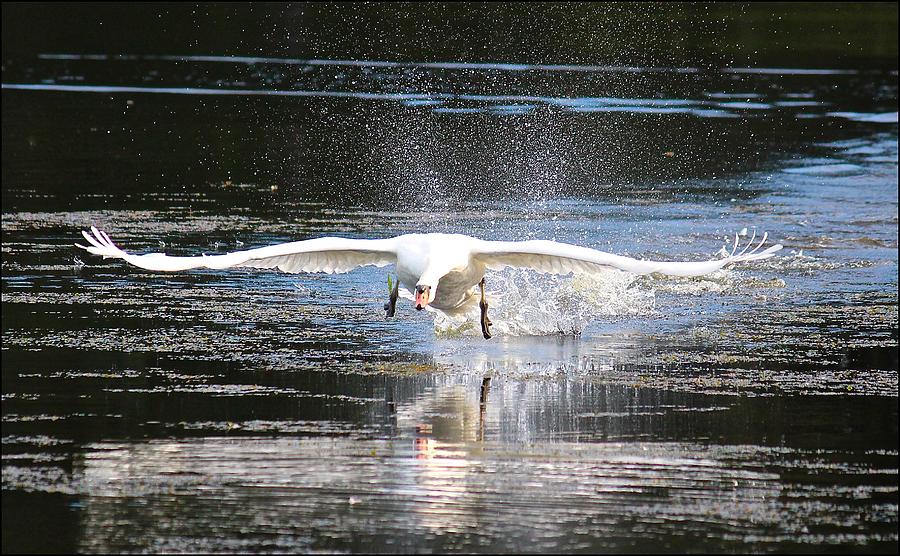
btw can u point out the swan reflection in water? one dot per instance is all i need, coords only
(469, 457)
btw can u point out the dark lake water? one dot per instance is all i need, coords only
(754, 409)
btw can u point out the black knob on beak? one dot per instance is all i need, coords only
(422, 297)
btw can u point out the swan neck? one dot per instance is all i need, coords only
(432, 275)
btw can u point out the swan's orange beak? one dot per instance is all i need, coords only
(423, 296)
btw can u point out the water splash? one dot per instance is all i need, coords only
(525, 303)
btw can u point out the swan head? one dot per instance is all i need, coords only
(423, 296)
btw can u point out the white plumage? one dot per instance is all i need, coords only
(450, 265)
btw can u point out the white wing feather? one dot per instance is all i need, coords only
(326, 254)
(551, 257)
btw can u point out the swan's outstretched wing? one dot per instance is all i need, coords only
(561, 258)
(326, 254)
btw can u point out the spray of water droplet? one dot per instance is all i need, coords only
(525, 303)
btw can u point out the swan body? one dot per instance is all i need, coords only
(443, 269)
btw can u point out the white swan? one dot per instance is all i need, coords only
(443, 269)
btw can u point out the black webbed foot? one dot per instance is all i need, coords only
(390, 307)
(485, 321)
